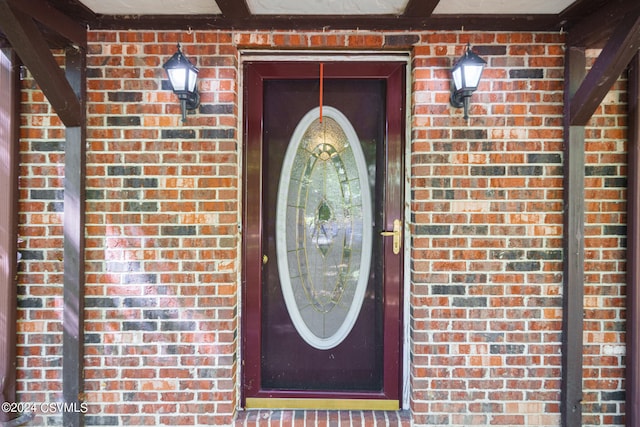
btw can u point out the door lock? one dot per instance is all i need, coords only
(397, 235)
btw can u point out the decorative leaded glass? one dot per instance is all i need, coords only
(323, 228)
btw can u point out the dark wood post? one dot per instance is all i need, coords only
(574, 173)
(9, 125)
(633, 250)
(74, 208)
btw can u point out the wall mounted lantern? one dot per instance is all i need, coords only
(182, 78)
(466, 76)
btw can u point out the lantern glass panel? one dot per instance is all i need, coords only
(191, 84)
(178, 77)
(457, 77)
(472, 74)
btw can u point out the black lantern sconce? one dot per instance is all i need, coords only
(182, 78)
(466, 77)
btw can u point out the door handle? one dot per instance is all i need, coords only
(397, 235)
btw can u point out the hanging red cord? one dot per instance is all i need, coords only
(321, 87)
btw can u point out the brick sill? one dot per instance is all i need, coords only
(295, 418)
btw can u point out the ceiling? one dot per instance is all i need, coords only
(490, 15)
(324, 7)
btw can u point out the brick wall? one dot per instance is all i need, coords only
(605, 260)
(162, 235)
(41, 194)
(163, 248)
(487, 235)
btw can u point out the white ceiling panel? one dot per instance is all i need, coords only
(326, 7)
(467, 7)
(153, 7)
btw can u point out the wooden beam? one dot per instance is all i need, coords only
(76, 10)
(614, 58)
(9, 130)
(590, 23)
(53, 19)
(320, 22)
(74, 208)
(581, 9)
(632, 383)
(234, 9)
(573, 266)
(420, 8)
(32, 49)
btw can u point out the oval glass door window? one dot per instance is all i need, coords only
(323, 228)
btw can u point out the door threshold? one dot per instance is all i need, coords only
(326, 404)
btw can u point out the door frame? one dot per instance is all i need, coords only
(251, 235)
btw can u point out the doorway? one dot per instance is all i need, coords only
(322, 221)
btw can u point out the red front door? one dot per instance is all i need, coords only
(322, 312)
